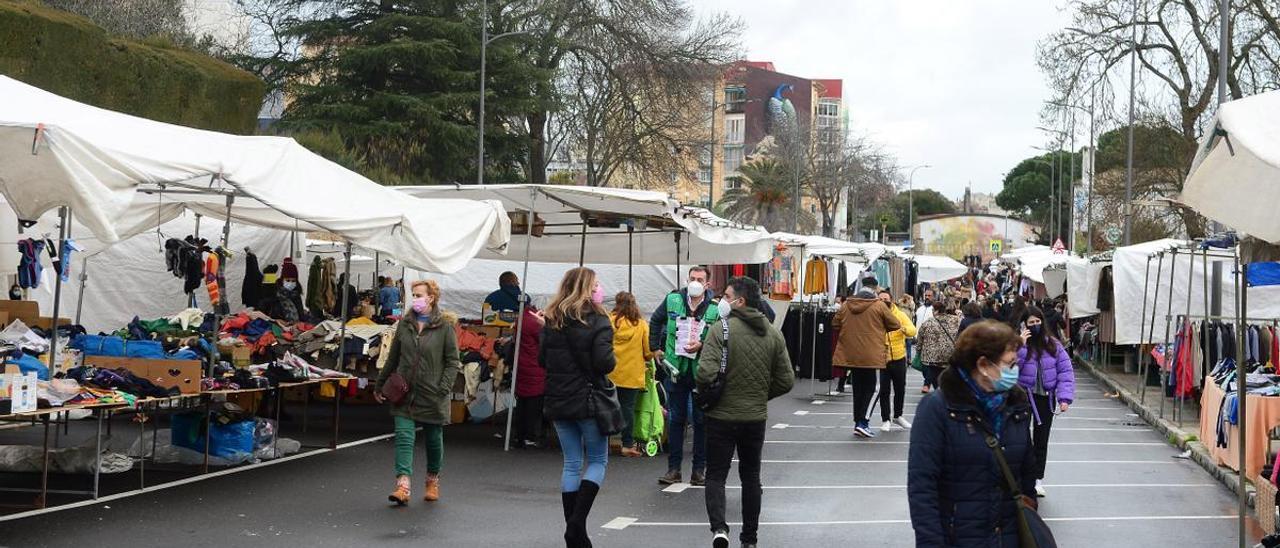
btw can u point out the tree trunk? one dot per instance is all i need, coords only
(537, 147)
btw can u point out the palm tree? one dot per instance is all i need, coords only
(764, 196)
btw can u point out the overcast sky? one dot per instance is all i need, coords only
(950, 83)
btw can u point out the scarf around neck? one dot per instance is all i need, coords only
(991, 403)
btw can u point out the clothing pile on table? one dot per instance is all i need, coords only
(259, 332)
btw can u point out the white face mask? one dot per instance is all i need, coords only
(724, 308)
(291, 285)
(696, 289)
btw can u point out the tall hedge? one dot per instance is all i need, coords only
(69, 55)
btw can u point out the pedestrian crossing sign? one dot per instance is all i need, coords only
(997, 246)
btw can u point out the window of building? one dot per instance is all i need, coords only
(735, 99)
(735, 129)
(733, 156)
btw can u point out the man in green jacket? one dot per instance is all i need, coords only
(757, 369)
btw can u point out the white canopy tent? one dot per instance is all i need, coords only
(1235, 177)
(1084, 278)
(591, 225)
(58, 152)
(936, 268)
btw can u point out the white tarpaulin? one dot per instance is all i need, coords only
(1130, 266)
(1235, 179)
(653, 217)
(936, 268)
(130, 279)
(821, 246)
(1083, 280)
(57, 152)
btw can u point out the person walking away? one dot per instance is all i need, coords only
(757, 369)
(688, 307)
(577, 352)
(923, 313)
(531, 382)
(972, 312)
(955, 489)
(937, 339)
(893, 378)
(1045, 371)
(508, 295)
(424, 351)
(632, 354)
(863, 324)
(389, 297)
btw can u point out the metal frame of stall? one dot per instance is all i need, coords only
(1241, 319)
(631, 230)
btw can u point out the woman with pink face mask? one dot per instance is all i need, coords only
(424, 351)
(577, 353)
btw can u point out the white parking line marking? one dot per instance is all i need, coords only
(908, 522)
(802, 412)
(783, 426)
(1063, 486)
(619, 523)
(819, 402)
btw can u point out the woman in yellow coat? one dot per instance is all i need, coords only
(631, 350)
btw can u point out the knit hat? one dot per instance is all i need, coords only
(288, 269)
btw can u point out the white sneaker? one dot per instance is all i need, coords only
(887, 426)
(721, 540)
(1040, 489)
(903, 422)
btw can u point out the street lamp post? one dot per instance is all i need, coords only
(485, 40)
(1089, 207)
(911, 202)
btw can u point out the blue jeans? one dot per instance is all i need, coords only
(577, 437)
(680, 405)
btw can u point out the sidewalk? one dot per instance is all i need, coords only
(1184, 435)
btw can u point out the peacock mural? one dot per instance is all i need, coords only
(782, 113)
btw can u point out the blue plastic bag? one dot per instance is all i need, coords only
(29, 364)
(229, 441)
(106, 345)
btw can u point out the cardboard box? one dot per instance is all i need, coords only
(27, 311)
(46, 323)
(183, 374)
(241, 356)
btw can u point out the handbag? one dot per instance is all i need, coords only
(602, 400)
(395, 388)
(1033, 532)
(706, 399)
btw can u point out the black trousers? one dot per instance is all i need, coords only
(723, 437)
(894, 376)
(864, 388)
(528, 419)
(931, 373)
(627, 399)
(1040, 432)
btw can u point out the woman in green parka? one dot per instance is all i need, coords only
(424, 351)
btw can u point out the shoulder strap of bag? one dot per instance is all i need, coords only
(1011, 482)
(724, 355)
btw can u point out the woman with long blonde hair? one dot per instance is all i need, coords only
(577, 352)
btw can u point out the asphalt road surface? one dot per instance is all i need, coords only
(1112, 481)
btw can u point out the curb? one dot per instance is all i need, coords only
(1173, 434)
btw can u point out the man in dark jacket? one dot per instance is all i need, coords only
(757, 369)
(508, 294)
(696, 301)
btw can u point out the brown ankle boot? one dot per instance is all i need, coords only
(401, 495)
(433, 489)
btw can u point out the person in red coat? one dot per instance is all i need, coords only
(531, 382)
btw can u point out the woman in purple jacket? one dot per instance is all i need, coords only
(1045, 371)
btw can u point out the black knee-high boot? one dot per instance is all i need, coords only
(568, 500)
(575, 534)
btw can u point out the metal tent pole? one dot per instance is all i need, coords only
(1241, 270)
(631, 242)
(346, 306)
(84, 279)
(582, 248)
(1144, 357)
(515, 365)
(677, 276)
(64, 219)
(1146, 285)
(1167, 368)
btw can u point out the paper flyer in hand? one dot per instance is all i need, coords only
(688, 330)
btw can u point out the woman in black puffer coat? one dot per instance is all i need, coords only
(955, 489)
(577, 352)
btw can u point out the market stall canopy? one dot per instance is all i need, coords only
(822, 246)
(1235, 177)
(58, 152)
(622, 226)
(1084, 280)
(936, 268)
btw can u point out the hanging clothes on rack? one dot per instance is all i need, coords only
(781, 274)
(251, 291)
(29, 268)
(815, 276)
(211, 279)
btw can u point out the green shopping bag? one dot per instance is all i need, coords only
(648, 423)
(916, 363)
